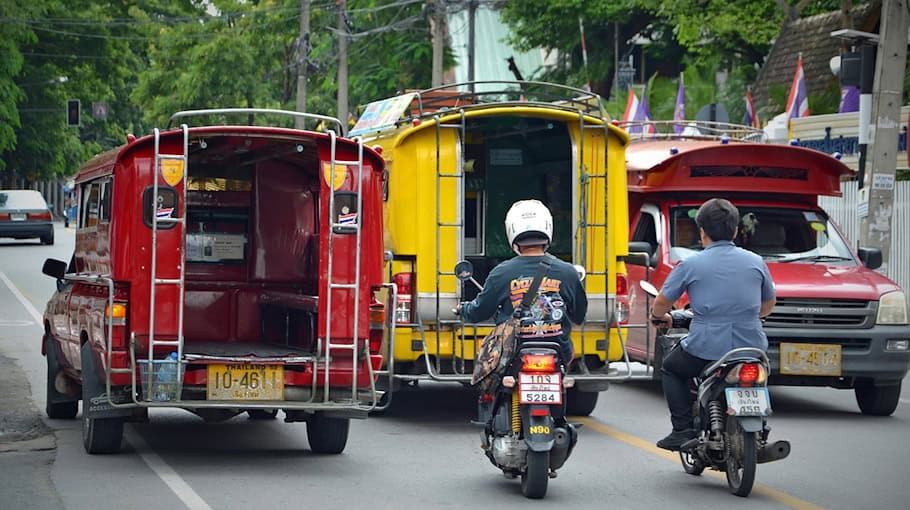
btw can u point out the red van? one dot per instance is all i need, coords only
(837, 322)
(222, 269)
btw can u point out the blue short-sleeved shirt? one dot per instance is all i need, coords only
(726, 286)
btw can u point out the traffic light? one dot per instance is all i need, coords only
(73, 111)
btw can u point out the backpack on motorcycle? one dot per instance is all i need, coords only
(498, 347)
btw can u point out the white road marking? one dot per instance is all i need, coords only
(15, 323)
(25, 302)
(181, 489)
(905, 400)
(187, 495)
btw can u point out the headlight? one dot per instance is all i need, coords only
(892, 308)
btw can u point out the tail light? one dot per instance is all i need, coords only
(622, 299)
(747, 374)
(116, 315)
(4, 216)
(377, 322)
(46, 216)
(404, 310)
(538, 363)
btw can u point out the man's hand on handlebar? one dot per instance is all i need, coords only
(664, 321)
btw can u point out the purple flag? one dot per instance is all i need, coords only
(849, 100)
(679, 113)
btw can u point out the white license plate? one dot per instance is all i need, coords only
(18, 216)
(540, 388)
(245, 382)
(810, 359)
(748, 401)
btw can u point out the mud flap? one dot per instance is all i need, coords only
(751, 423)
(538, 430)
(73, 392)
(95, 401)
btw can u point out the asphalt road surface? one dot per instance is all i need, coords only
(421, 454)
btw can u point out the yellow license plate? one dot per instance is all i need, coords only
(810, 359)
(245, 382)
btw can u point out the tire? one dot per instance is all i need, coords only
(691, 463)
(262, 414)
(877, 400)
(535, 478)
(59, 406)
(99, 435)
(742, 459)
(580, 403)
(327, 435)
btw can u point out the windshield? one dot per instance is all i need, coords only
(777, 234)
(21, 199)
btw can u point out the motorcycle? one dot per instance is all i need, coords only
(730, 411)
(523, 409)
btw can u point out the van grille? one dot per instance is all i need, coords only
(824, 313)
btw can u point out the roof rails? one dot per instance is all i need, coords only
(692, 130)
(250, 112)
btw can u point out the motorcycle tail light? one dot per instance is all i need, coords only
(747, 374)
(539, 363)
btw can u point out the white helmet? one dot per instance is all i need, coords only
(529, 222)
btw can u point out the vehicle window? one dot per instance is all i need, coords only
(684, 237)
(645, 230)
(216, 235)
(106, 191)
(22, 199)
(163, 206)
(90, 204)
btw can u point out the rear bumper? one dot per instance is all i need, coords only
(26, 229)
(863, 354)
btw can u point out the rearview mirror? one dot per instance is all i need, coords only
(641, 253)
(649, 288)
(464, 270)
(55, 268)
(871, 257)
(582, 273)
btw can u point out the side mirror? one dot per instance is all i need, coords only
(649, 288)
(464, 271)
(871, 257)
(641, 253)
(55, 268)
(582, 273)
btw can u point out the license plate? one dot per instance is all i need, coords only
(810, 359)
(245, 382)
(17, 216)
(748, 401)
(540, 388)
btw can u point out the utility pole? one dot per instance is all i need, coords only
(878, 186)
(303, 50)
(437, 28)
(472, 8)
(342, 65)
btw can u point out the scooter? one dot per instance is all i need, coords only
(731, 407)
(523, 411)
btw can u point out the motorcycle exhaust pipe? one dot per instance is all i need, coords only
(560, 452)
(774, 451)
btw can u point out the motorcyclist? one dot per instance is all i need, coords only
(561, 298)
(729, 290)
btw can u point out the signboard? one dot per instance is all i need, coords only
(862, 202)
(382, 114)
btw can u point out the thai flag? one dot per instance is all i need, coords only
(751, 115)
(849, 100)
(679, 113)
(637, 112)
(798, 101)
(164, 212)
(347, 219)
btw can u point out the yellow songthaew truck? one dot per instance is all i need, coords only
(457, 157)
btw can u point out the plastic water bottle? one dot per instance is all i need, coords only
(167, 379)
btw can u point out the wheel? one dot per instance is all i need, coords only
(99, 435)
(60, 406)
(262, 414)
(327, 435)
(580, 403)
(534, 479)
(691, 463)
(877, 400)
(742, 457)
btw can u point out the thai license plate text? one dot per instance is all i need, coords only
(540, 388)
(810, 359)
(748, 401)
(245, 382)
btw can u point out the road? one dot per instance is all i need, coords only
(423, 453)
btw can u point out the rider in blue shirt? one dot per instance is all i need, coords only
(729, 290)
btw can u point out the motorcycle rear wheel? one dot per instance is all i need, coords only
(691, 463)
(742, 459)
(535, 478)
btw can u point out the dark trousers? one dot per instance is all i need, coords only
(679, 367)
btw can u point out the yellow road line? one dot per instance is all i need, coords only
(780, 497)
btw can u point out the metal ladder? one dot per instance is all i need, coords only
(156, 281)
(353, 287)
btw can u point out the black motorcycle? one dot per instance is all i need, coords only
(522, 410)
(731, 407)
